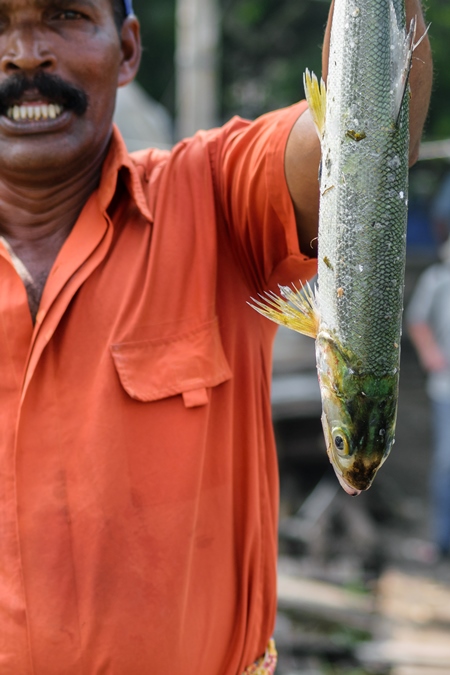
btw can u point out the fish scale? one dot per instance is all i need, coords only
(364, 192)
(355, 313)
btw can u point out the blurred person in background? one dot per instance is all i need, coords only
(428, 321)
(138, 472)
(440, 210)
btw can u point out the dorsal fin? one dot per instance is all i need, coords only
(316, 95)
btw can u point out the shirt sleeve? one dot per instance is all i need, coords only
(249, 175)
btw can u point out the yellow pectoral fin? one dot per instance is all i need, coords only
(316, 95)
(296, 309)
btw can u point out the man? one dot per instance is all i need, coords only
(138, 477)
(428, 319)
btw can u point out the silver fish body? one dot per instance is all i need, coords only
(364, 133)
(364, 184)
(362, 234)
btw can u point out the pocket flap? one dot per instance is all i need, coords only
(157, 368)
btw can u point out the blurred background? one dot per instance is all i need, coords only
(362, 589)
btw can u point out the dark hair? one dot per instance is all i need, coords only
(119, 13)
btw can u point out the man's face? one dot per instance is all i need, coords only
(60, 64)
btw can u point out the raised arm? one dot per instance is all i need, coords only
(430, 354)
(303, 150)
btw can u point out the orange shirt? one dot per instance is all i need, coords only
(138, 476)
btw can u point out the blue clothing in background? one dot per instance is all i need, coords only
(430, 304)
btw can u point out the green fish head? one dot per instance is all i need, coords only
(358, 415)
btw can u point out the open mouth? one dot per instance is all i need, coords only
(37, 102)
(28, 112)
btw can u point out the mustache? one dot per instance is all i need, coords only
(51, 87)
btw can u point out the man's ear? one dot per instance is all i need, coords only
(130, 39)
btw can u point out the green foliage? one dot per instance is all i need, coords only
(438, 15)
(266, 46)
(156, 74)
(250, 12)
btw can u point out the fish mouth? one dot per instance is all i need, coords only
(353, 492)
(343, 467)
(354, 478)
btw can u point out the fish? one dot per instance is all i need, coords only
(354, 312)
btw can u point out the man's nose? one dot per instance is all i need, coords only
(27, 50)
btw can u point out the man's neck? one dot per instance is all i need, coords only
(35, 221)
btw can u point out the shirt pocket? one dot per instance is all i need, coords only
(187, 364)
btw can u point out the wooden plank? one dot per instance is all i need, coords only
(413, 651)
(412, 625)
(325, 601)
(419, 670)
(408, 598)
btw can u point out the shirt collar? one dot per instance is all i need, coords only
(117, 160)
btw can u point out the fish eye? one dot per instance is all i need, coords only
(341, 443)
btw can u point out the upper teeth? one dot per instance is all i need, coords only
(34, 112)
